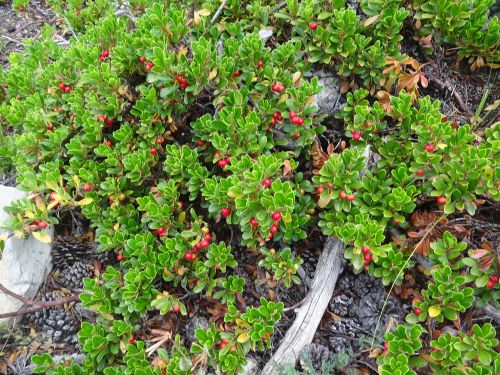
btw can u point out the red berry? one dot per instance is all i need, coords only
(102, 58)
(160, 231)
(222, 163)
(417, 311)
(254, 223)
(120, 257)
(441, 200)
(296, 136)
(490, 284)
(200, 143)
(366, 249)
(36, 222)
(260, 64)
(420, 172)
(228, 160)
(266, 182)
(208, 237)
(276, 216)
(273, 230)
(50, 127)
(217, 154)
(52, 196)
(415, 299)
(494, 278)
(300, 121)
(101, 118)
(367, 257)
(105, 53)
(152, 151)
(356, 136)
(320, 189)
(429, 148)
(109, 143)
(225, 212)
(292, 114)
(42, 224)
(274, 88)
(350, 198)
(233, 348)
(67, 89)
(62, 86)
(176, 309)
(236, 74)
(159, 141)
(273, 121)
(188, 256)
(276, 115)
(131, 340)
(386, 346)
(313, 25)
(222, 344)
(295, 120)
(342, 195)
(142, 59)
(87, 187)
(204, 243)
(352, 131)
(149, 66)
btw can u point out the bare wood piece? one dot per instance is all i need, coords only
(309, 315)
(218, 12)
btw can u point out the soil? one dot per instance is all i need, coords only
(16, 26)
(460, 91)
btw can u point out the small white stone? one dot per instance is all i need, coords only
(265, 34)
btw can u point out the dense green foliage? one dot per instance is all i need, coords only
(118, 125)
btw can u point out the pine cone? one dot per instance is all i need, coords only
(56, 323)
(310, 260)
(342, 330)
(341, 305)
(68, 250)
(72, 276)
(314, 355)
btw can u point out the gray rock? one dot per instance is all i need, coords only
(265, 34)
(24, 263)
(328, 99)
(192, 325)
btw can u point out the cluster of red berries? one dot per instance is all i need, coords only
(276, 117)
(161, 232)
(41, 224)
(191, 255)
(367, 255)
(65, 88)
(266, 182)
(52, 198)
(344, 196)
(276, 216)
(355, 135)
(492, 281)
(441, 200)
(104, 55)
(223, 343)
(183, 84)
(429, 148)
(296, 120)
(224, 161)
(108, 121)
(200, 143)
(147, 64)
(225, 212)
(278, 87)
(416, 310)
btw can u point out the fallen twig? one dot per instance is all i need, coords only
(19, 297)
(41, 306)
(219, 11)
(445, 86)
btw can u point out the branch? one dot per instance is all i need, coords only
(19, 297)
(41, 306)
(219, 11)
